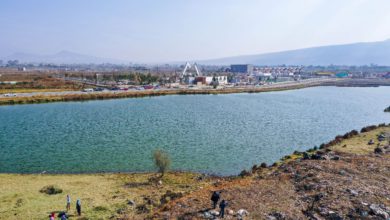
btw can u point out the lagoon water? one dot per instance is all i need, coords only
(220, 134)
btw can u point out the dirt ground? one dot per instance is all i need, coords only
(329, 185)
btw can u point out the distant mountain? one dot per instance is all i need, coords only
(347, 54)
(62, 57)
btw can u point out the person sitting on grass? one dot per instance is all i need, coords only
(52, 216)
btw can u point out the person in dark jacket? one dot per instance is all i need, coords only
(78, 207)
(222, 206)
(215, 198)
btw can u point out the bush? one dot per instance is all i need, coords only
(100, 209)
(51, 190)
(244, 173)
(162, 161)
(368, 128)
(263, 165)
(378, 150)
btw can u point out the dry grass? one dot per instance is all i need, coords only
(102, 195)
(35, 82)
(359, 144)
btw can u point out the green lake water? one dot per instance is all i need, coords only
(219, 134)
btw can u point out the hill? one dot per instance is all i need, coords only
(347, 54)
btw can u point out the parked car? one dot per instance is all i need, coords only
(88, 90)
(148, 87)
(98, 89)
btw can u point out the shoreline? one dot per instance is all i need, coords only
(52, 97)
(290, 180)
(296, 155)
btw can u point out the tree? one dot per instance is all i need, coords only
(161, 160)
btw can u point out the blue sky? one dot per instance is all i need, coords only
(169, 30)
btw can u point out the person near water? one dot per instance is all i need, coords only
(67, 203)
(78, 207)
(215, 198)
(222, 206)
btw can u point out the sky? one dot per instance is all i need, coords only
(177, 30)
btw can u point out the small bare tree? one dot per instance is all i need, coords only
(162, 161)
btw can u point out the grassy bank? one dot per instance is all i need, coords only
(261, 191)
(103, 196)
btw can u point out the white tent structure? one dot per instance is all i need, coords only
(187, 70)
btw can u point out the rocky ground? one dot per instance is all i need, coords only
(328, 183)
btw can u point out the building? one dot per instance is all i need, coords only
(208, 80)
(241, 68)
(341, 75)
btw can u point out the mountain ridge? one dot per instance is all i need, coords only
(62, 57)
(361, 53)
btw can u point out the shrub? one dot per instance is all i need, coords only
(368, 128)
(263, 165)
(100, 209)
(254, 168)
(162, 161)
(306, 156)
(244, 173)
(378, 150)
(51, 190)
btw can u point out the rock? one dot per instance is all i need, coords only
(381, 137)
(335, 157)
(342, 172)
(276, 216)
(160, 182)
(363, 213)
(378, 211)
(353, 192)
(334, 216)
(241, 213)
(214, 213)
(269, 217)
(316, 157)
(130, 202)
(207, 215)
(230, 212)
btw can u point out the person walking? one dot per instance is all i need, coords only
(222, 206)
(78, 207)
(215, 198)
(67, 203)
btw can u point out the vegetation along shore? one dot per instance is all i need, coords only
(346, 178)
(55, 96)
